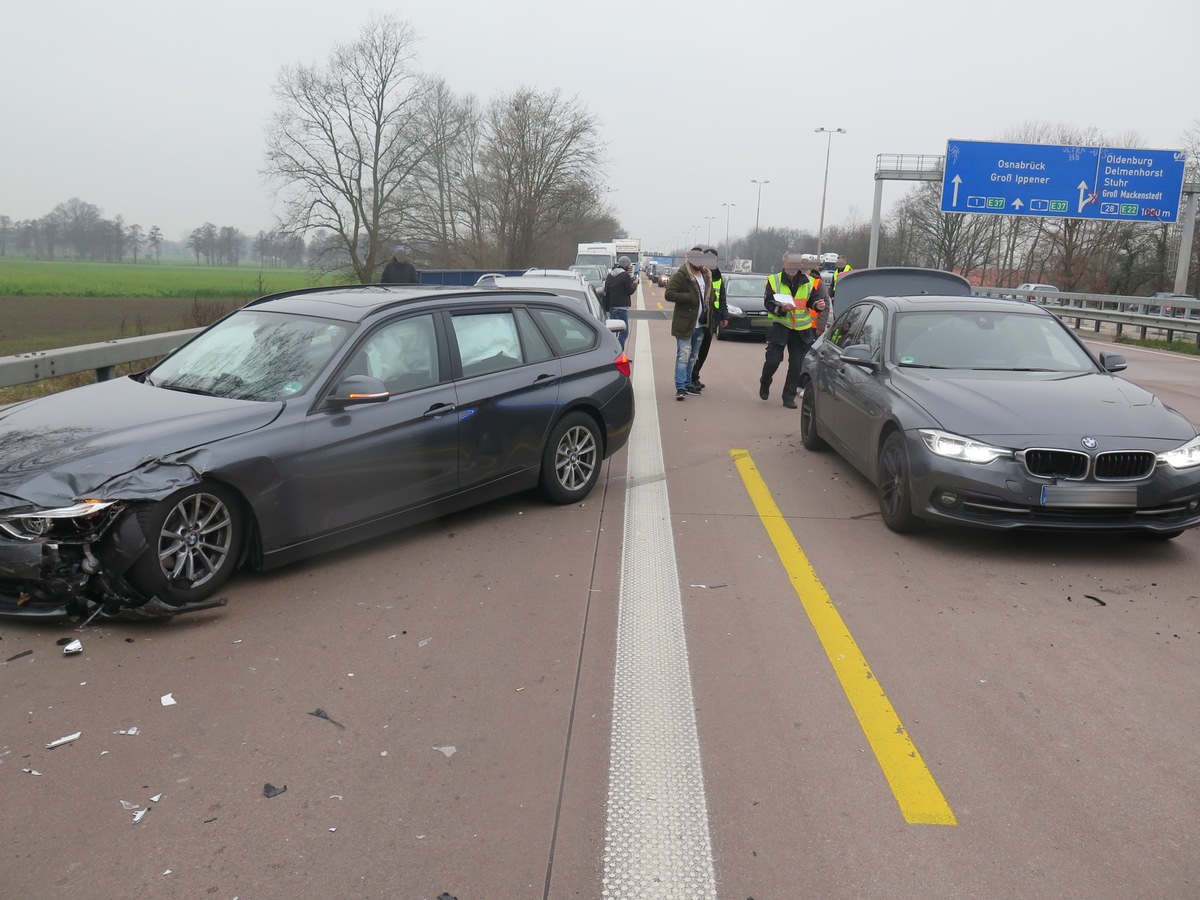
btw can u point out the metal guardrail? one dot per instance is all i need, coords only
(1117, 310)
(103, 357)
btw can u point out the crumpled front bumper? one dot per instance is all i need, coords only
(84, 579)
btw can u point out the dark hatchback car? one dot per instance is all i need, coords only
(744, 307)
(992, 413)
(301, 423)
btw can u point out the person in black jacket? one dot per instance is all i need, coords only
(399, 270)
(618, 295)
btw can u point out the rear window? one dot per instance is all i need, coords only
(568, 333)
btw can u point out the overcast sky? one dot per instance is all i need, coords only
(157, 111)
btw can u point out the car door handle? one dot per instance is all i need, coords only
(546, 379)
(439, 409)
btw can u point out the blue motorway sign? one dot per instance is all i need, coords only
(1063, 182)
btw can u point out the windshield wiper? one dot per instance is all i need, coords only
(183, 388)
(905, 365)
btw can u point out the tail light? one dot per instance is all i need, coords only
(624, 364)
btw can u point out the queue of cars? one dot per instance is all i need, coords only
(301, 423)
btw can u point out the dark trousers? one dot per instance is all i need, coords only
(796, 343)
(702, 355)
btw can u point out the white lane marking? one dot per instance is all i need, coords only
(656, 837)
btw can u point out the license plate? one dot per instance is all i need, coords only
(1085, 495)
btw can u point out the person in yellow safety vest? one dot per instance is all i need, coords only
(715, 318)
(790, 298)
(842, 268)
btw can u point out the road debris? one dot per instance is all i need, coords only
(19, 655)
(75, 646)
(64, 740)
(269, 790)
(132, 729)
(449, 750)
(321, 714)
(1097, 599)
(168, 699)
(137, 816)
(31, 771)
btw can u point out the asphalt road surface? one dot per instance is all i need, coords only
(721, 676)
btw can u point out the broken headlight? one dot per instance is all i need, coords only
(64, 522)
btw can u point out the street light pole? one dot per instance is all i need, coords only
(828, 143)
(728, 207)
(710, 221)
(757, 207)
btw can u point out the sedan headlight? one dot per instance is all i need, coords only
(1183, 457)
(734, 310)
(952, 446)
(36, 523)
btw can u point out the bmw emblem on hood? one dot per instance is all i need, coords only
(1089, 443)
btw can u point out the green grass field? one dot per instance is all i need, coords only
(21, 277)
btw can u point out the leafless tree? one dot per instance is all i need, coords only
(155, 238)
(343, 147)
(942, 240)
(136, 238)
(541, 158)
(445, 222)
(76, 221)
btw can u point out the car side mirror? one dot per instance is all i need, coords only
(859, 355)
(357, 389)
(616, 326)
(1113, 362)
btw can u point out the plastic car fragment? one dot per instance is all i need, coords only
(70, 738)
(75, 646)
(269, 790)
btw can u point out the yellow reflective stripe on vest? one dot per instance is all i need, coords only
(799, 318)
(717, 293)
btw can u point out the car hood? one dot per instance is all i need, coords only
(66, 446)
(1033, 408)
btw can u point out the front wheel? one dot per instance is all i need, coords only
(808, 418)
(195, 538)
(895, 491)
(571, 460)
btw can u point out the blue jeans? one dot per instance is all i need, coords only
(686, 350)
(622, 313)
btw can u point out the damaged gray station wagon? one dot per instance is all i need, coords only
(301, 423)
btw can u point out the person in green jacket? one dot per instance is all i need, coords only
(690, 290)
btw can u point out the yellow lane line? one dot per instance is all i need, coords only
(920, 799)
